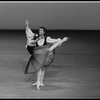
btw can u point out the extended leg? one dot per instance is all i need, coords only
(57, 44)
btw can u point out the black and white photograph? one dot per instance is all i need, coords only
(50, 49)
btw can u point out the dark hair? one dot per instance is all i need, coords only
(43, 29)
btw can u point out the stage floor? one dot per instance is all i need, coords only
(75, 72)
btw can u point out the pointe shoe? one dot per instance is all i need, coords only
(42, 84)
(35, 83)
(38, 84)
(63, 40)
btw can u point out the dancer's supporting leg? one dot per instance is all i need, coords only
(42, 77)
(38, 82)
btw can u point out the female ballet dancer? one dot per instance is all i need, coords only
(45, 54)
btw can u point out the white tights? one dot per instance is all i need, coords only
(40, 76)
(58, 44)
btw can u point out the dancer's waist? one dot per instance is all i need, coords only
(42, 47)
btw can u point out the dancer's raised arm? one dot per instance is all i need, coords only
(28, 31)
(29, 34)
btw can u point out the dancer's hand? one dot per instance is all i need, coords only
(37, 39)
(41, 37)
(26, 46)
(36, 35)
(27, 23)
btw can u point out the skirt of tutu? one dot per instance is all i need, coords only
(41, 58)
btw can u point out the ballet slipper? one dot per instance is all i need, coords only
(37, 83)
(34, 83)
(41, 84)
